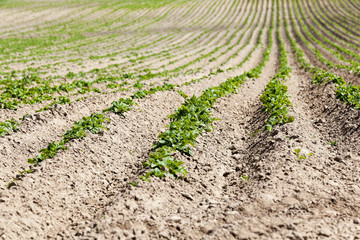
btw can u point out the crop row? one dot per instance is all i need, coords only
(61, 48)
(191, 119)
(95, 121)
(315, 19)
(72, 31)
(336, 23)
(26, 93)
(354, 65)
(162, 43)
(275, 99)
(315, 51)
(337, 10)
(345, 92)
(320, 24)
(92, 123)
(194, 116)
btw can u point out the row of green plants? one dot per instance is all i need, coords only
(209, 54)
(233, 35)
(320, 24)
(62, 100)
(164, 15)
(191, 120)
(65, 100)
(37, 94)
(193, 40)
(316, 51)
(348, 7)
(354, 65)
(247, 57)
(8, 127)
(222, 20)
(242, 35)
(165, 52)
(181, 68)
(227, 42)
(62, 49)
(258, 43)
(338, 12)
(335, 23)
(315, 19)
(346, 11)
(215, 50)
(64, 35)
(196, 45)
(237, 43)
(197, 53)
(31, 89)
(95, 123)
(345, 92)
(275, 99)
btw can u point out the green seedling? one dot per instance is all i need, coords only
(344, 92)
(181, 93)
(134, 184)
(93, 124)
(254, 133)
(190, 120)
(302, 156)
(245, 178)
(8, 127)
(121, 106)
(275, 99)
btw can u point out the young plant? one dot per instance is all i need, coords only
(245, 178)
(7, 127)
(300, 155)
(190, 120)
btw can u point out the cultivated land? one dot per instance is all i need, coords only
(178, 119)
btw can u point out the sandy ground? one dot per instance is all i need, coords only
(243, 182)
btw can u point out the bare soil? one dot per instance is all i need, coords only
(243, 182)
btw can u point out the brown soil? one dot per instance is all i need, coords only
(243, 182)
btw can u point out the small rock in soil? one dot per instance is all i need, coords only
(187, 196)
(174, 218)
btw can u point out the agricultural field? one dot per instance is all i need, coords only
(179, 119)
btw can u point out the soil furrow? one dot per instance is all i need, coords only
(297, 181)
(193, 207)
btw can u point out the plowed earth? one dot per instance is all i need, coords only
(243, 182)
